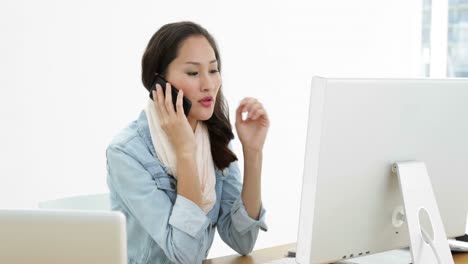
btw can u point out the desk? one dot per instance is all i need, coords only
(274, 253)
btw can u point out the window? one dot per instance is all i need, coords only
(457, 42)
(456, 51)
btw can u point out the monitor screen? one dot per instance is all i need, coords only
(357, 129)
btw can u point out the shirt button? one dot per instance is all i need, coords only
(225, 172)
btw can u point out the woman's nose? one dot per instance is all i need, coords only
(206, 83)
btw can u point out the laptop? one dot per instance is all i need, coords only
(65, 236)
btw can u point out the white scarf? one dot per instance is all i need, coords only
(166, 155)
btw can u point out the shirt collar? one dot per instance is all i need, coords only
(143, 130)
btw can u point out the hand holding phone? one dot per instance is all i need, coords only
(186, 104)
(177, 128)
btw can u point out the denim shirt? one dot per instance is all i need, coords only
(162, 226)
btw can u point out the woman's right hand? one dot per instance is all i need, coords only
(174, 123)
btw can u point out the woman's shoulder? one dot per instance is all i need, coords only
(124, 136)
(132, 139)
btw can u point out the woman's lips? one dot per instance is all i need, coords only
(206, 101)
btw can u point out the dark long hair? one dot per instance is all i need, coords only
(162, 49)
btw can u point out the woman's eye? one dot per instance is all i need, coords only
(195, 73)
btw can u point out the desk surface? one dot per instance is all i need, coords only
(274, 253)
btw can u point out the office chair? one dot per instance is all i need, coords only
(94, 202)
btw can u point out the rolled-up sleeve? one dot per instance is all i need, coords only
(236, 228)
(188, 217)
(242, 222)
(178, 229)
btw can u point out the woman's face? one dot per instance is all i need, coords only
(195, 71)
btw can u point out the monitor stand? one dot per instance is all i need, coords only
(427, 245)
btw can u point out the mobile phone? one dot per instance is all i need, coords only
(186, 104)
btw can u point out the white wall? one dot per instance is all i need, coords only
(70, 79)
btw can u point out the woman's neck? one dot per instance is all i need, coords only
(193, 123)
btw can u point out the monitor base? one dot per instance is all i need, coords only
(429, 244)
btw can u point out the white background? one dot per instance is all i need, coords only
(70, 80)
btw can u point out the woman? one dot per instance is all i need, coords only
(174, 176)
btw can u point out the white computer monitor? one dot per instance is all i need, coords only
(357, 129)
(62, 236)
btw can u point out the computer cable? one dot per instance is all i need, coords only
(429, 241)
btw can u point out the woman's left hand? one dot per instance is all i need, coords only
(253, 130)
